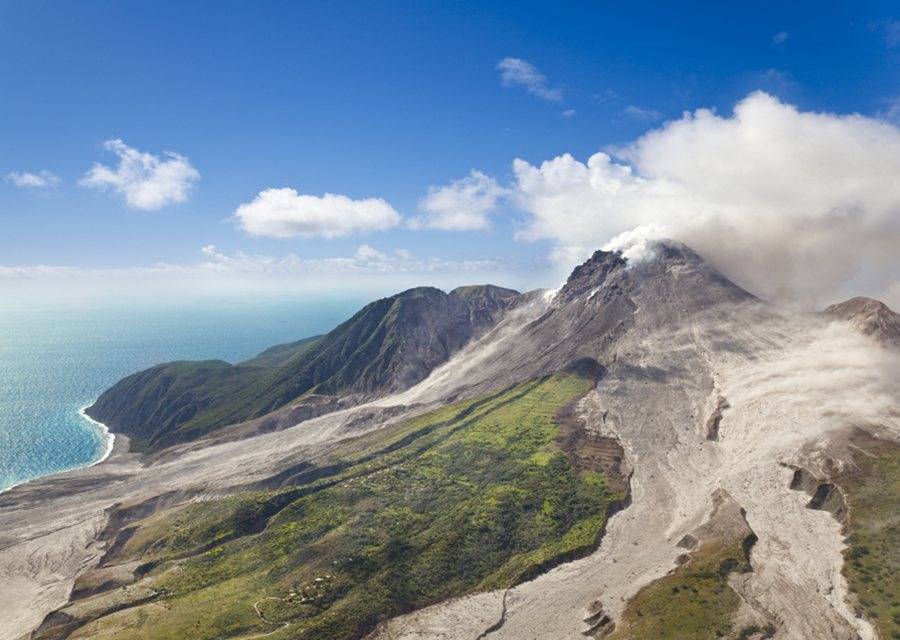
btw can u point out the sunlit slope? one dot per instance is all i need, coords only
(473, 496)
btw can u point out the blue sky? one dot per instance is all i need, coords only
(378, 100)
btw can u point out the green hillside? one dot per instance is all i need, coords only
(388, 345)
(473, 496)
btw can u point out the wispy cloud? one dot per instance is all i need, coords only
(462, 205)
(779, 38)
(641, 113)
(285, 213)
(891, 110)
(515, 72)
(27, 180)
(889, 28)
(607, 95)
(365, 260)
(146, 181)
(568, 113)
(778, 79)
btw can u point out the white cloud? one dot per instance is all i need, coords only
(284, 213)
(145, 181)
(779, 38)
(789, 203)
(27, 180)
(568, 113)
(367, 253)
(515, 72)
(365, 260)
(462, 205)
(640, 113)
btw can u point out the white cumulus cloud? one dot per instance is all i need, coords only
(515, 72)
(791, 204)
(462, 205)
(145, 181)
(27, 180)
(284, 213)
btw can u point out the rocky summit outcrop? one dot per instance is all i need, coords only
(871, 317)
(604, 300)
(389, 345)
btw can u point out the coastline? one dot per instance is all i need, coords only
(109, 441)
(108, 435)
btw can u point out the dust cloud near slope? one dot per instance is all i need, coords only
(790, 381)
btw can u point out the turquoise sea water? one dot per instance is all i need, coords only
(54, 361)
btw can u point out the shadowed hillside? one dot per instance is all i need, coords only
(389, 345)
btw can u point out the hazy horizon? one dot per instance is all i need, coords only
(371, 148)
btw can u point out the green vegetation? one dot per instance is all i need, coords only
(694, 602)
(474, 496)
(392, 342)
(176, 401)
(872, 558)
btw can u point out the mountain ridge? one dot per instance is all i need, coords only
(869, 316)
(513, 453)
(388, 345)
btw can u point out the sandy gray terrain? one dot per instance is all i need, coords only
(675, 342)
(789, 382)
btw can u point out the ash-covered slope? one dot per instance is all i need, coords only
(387, 346)
(713, 395)
(604, 300)
(871, 317)
(703, 400)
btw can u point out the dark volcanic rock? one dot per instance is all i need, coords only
(604, 300)
(591, 275)
(871, 317)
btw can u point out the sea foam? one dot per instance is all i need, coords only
(108, 436)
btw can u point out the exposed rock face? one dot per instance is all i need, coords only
(587, 277)
(871, 317)
(715, 419)
(388, 346)
(586, 447)
(605, 300)
(664, 339)
(673, 336)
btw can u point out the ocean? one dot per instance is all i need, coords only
(55, 360)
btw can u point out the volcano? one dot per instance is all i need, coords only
(649, 451)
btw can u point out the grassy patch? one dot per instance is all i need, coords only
(694, 602)
(872, 558)
(473, 496)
